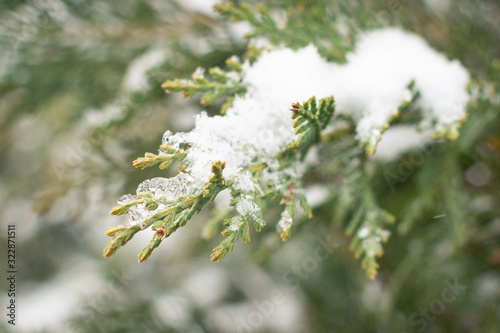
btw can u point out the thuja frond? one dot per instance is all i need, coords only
(304, 22)
(405, 113)
(260, 17)
(167, 219)
(248, 205)
(290, 197)
(366, 229)
(267, 162)
(309, 119)
(237, 228)
(218, 84)
(444, 190)
(165, 159)
(356, 210)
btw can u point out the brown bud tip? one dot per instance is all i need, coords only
(295, 107)
(161, 233)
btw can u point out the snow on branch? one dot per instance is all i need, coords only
(260, 148)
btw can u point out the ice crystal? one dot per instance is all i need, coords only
(127, 198)
(177, 141)
(138, 213)
(285, 222)
(246, 206)
(167, 188)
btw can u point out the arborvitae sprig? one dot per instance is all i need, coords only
(290, 197)
(123, 208)
(168, 156)
(260, 17)
(309, 119)
(167, 220)
(239, 225)
(405, 114)
(306, 22)
(356, 209)
(237, 228)
(220, 84)
(366, 229)
(364, 219)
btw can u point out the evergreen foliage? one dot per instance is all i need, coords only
(71, 122)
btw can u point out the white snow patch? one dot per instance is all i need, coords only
(201, 6)
(400, 139)
(369, 88)
(373, 83)
(136, 77)
(317, 195)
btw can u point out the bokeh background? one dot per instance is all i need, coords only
(80, 99)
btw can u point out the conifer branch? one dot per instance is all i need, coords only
(266, 176)
(165, 159)
(237, 228)
(220, 83)
(403, 113)
(297, 31)
(309, 119)
(167, 220)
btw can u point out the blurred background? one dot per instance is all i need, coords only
(80, 99)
